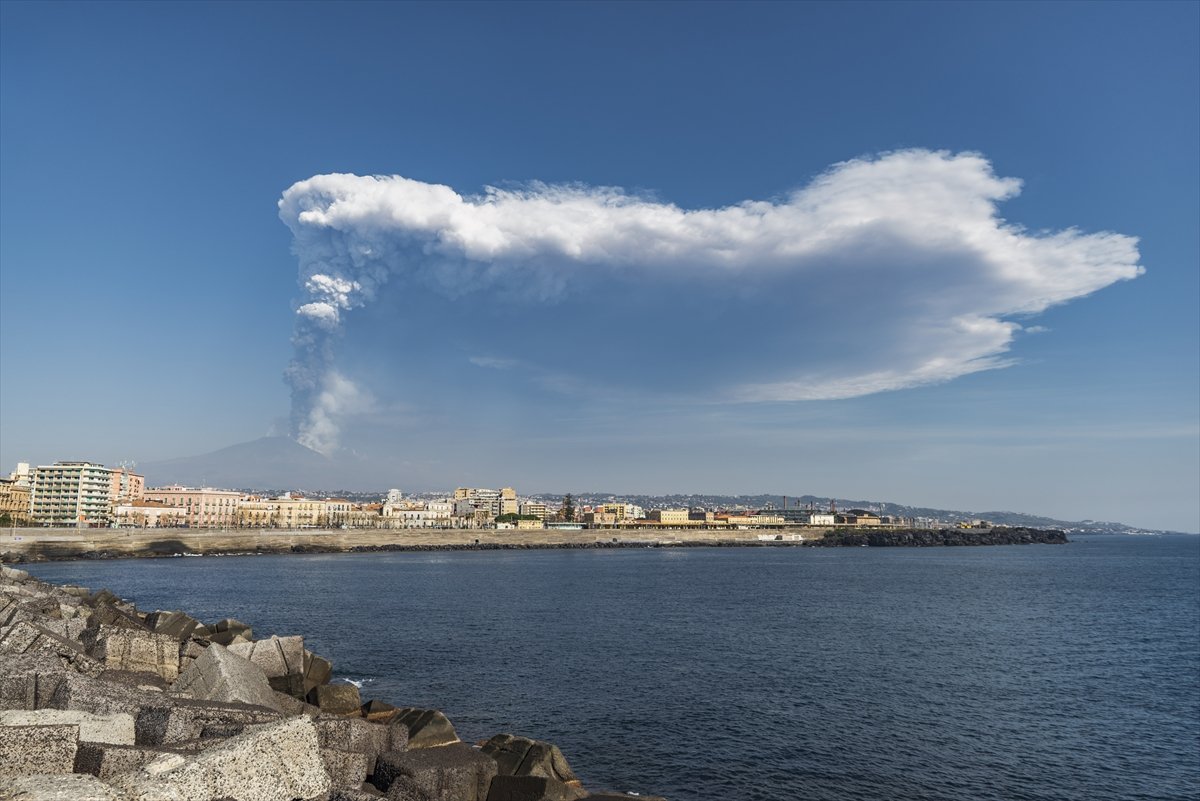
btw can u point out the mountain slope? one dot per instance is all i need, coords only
(266, 463)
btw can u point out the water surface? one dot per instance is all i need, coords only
(1008, 672)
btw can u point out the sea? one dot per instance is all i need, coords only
(760, 674)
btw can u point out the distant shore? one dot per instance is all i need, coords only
(50, 544)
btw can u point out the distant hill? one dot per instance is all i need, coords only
(267, 463)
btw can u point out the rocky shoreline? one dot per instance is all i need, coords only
(34, 548)
(100, 701)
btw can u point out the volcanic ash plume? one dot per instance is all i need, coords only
(898, 271)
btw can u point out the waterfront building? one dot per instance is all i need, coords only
(534, 509)
(71, 494)
(202, 507)
(127, 486)
(670, 517)
(14, 501)
(147, 514)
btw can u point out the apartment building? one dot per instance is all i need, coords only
(71, 494)
(202, 507)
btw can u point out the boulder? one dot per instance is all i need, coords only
(276, 762)
(424, 728)
(29, 750)
(337, 699)
(218, 675)
(455, 772)
(134, 650)
(117, 728)
(68, 787)
(68, 628)
(405, 788)
(281, 659)
(521, 757)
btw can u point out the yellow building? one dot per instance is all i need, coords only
(14, 502)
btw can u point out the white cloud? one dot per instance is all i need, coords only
(883, 273)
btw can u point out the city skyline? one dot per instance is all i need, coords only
(707, 248)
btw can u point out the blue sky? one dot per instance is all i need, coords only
(150, 288)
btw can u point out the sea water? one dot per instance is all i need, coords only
(739, 674)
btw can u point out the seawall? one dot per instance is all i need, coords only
(42, 544)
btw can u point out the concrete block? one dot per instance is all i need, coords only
(317, 671)
(105, 760)
(281, 658)
(524, 757)
(138, 651)
(225, 632)
(337, 699)
(28, 681)
(353, 734)
(69, 787)
(116, 728)
(347, 769)
(24, 637)
(276, 762)
(176, 624)
(13, 574)
(446, 773)
(174, 720)
(30, 750)
(424, 728)
(218, 675)
(294, 706)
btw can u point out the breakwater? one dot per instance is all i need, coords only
(100, 700)
(35, 545)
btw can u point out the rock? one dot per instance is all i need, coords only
(281, 659)
(455, 772)
(276, 762)
(361, 793)
(176, 624)
(172, 721)
(425, 728)
(226, 631)
(24, 637)
(117, 728)
(218, 675)
(100, 697)
(134, 650)
(69, 787)
(68, 629)
(337, 699)
(30, 750)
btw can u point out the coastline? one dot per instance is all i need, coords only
(101, 701)
(38, 545)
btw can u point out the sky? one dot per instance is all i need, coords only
(937, 254)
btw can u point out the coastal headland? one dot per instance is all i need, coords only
(47, 544)
(101, 701)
